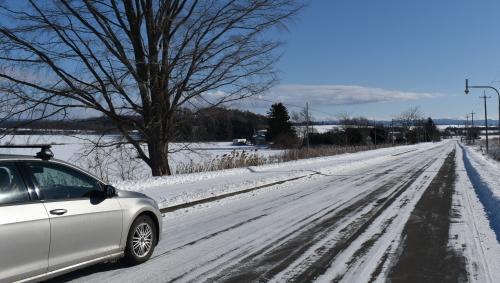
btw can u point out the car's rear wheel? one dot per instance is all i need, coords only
(141, 241)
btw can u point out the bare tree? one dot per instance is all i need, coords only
(302, 119)
(136, 62)
(361, 122)
(344, 119)
(409, 117)
(110, 163)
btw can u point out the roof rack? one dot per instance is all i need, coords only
(44, 154)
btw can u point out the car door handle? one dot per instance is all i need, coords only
(58, 211)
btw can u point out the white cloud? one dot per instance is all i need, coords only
(216, 94)
(335, 95)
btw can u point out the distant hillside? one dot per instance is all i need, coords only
(452, 122)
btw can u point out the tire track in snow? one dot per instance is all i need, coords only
(366, 176)
(374, 262)
(276, 256)
(353, 231)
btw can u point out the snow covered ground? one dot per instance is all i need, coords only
(348, 215)
(322, 128)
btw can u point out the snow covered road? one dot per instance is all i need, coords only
(409, 215)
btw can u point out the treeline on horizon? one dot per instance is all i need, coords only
(221, 124)
(217, 124)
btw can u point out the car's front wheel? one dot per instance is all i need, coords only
(141, 241)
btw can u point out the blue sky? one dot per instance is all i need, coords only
(378, 58)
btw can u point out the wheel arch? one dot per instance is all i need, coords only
(153, 217)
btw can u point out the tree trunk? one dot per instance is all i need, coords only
(158, 157)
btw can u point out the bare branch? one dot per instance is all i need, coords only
(138, 62)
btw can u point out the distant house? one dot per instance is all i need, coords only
(260, 138)
(336, 130)
(397, 135)
(239, 142)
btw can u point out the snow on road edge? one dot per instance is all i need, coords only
(483, 174)
(471, 234)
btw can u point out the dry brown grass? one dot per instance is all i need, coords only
(237, 159)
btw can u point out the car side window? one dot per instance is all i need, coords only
(60, 182)
(12, 188)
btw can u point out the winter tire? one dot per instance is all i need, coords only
(141, 241)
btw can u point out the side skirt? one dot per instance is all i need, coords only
(112, 257)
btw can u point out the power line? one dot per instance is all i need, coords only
(493, 81)
(495, 78)
(477, 101)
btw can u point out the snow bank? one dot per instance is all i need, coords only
(144, 184)
(483, 174)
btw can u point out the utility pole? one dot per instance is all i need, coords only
(418, 133)
(486, 119)
(467, 129)
(307, 126)
(433, 128)
(375, 131)
(426, 132)
(473, 139)
(392, 132)
(464, 132)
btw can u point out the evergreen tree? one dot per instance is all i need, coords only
(280, 129)
(432, 131)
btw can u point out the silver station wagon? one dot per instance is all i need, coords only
(56, 218)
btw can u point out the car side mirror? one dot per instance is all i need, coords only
(109, 191)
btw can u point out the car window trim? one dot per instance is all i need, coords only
(27, 179)
(39, 193)
(36, 192)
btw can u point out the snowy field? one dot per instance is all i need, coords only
(323, 128)
(75, 149)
